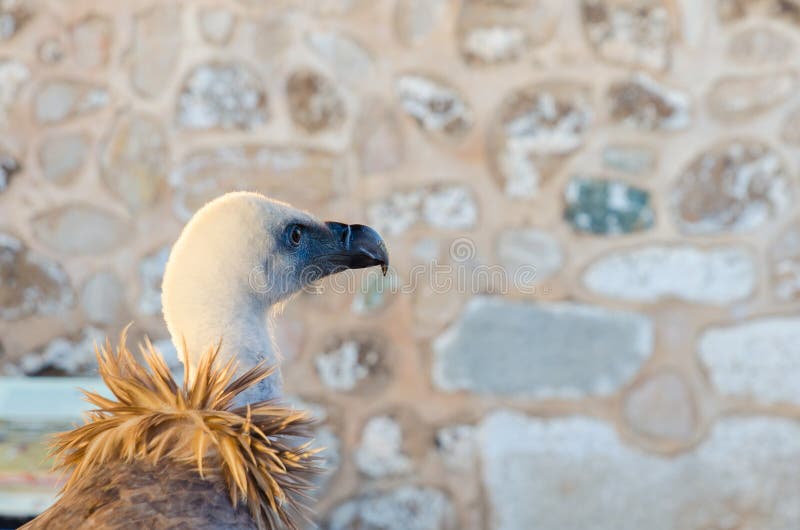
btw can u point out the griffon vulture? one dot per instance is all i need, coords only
(217, 451)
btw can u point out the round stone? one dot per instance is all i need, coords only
(379, 453)
(414, 20)
(80, 228)
(521, 250)
(306, 178)
(14, 15)
(222, 95)
(9, 167)
(784, 263)
(151, 273)
(60, 100)
(790, 130)
(661, 407)
(216, 25)
(103, 299)
(62, 156)
(759, 46)
(378, 138)
(740, 97)
(450, 207)
(135, 160)
(355, 362)
(735, 186)
(347, 58)
(13, 76)
(157, 42)
(92, 38)
(314, 102)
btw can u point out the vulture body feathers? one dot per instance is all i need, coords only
(218, 451)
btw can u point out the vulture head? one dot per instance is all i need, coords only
(237, 260)
(217, 451)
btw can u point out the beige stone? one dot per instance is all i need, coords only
(135, 159)
(662, 407)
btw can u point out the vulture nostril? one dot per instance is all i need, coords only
(346, 236)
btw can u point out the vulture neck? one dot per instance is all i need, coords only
(243, 327)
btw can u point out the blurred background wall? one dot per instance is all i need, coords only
(590, 205)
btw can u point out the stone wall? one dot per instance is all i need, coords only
(630, 166)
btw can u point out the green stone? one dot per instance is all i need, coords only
(607, 207)
(373, 292)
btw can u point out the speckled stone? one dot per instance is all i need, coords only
(435, 106)
(635, 33)
(760, 45)
(222, 95)
(400, 508)
(731, 11)
(735, 186)
(29, 282)
(755, 359)
(71, 355)
(457, 447)
(445, 206)
(643, 103)
(353, 363)
(379, 453)
(314, 102)
(738, 97)
(493, 33)
(648, 273)
(535, 130)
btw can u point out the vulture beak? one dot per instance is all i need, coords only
(357, 247)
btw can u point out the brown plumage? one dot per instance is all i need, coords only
(163, 455)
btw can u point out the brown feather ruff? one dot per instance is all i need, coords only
(154, 419)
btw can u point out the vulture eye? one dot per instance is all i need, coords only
(295, 235)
